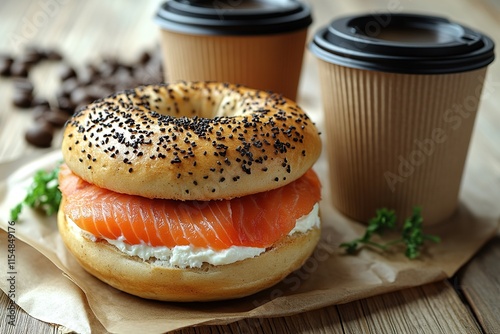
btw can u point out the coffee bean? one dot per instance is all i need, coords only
(144, 57)
(66, 72)
(68, 86)
(91, 68)
(96, 92)
(107, 68)
(80, 96)
(127, 66)
(87, 75)
(40, 134)
(31, 56)
(53, 55)
(23, 93)
(39, 111)
(40, 102)
(21, 99)
(85, 80)
(23, 85)
(65, 104)
(5, 63)
(19, 69)
(56, 118)
(93, 81)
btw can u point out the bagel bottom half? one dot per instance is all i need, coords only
(143, 279)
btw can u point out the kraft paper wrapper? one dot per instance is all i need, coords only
(48, 275)
(267, 62)
(397, 140)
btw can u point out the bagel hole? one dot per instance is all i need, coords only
(203, 103)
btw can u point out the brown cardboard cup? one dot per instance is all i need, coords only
(398, 131)
(397, 140)
(256, 43)
(268, 62)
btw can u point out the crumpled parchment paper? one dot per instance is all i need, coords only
(47, 274)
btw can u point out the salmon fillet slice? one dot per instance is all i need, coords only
(257, 220)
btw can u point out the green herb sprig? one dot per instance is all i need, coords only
(43, 194)
(412, 235)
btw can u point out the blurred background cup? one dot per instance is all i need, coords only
(400, 94)
(257, 43)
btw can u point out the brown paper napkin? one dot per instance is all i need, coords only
(83, 303)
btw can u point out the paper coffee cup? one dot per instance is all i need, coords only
(259, 44)
(400, 95)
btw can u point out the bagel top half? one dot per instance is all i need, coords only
(191, 141)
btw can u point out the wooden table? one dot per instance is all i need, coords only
(467, 303)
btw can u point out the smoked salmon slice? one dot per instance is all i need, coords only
(253, 221)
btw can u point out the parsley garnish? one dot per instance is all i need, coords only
(43, 194)
(411, 235)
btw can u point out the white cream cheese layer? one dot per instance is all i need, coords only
(194, 257)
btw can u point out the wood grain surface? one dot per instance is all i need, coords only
(87, 30)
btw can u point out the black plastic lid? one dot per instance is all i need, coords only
(233, 17)
(403, 43)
